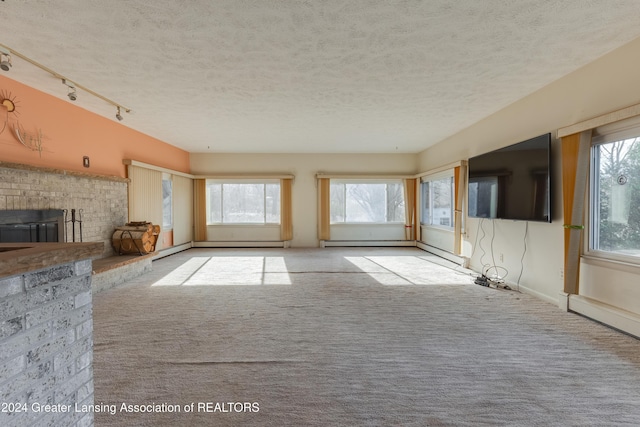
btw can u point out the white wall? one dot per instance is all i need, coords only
(603, 86)
(533, 263)
(304, 167)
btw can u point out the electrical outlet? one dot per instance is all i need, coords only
(501, 257)
(562, 273)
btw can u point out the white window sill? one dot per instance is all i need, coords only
(613, 261)
(247, 225)
(438, 227)
(339, 224)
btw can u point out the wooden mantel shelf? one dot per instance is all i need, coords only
(20, 166)
(18, 258)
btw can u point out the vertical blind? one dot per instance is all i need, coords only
(286, 221)
(410, 208)
(145, 194)
(200, 210)
(324, 209)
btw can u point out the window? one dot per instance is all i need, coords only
(615, 197)
(437, 201)
(167, 202)
(235, 202)
(368, 201)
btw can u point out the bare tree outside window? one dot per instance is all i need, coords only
(395, 202)
(362, 202)
(272, 203)
(243, 203)
(337, 197)
(615, 209)
(366, 203)
(214, 199)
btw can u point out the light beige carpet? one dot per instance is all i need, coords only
(350, 337)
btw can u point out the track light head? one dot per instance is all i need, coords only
(118, 115)
(5, 59)
(72, 89)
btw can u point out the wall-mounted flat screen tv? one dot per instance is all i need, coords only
(513, 182)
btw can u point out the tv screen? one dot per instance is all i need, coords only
(512, 182)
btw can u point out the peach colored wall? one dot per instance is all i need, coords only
(71, 132)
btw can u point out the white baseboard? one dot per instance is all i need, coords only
(172, 250)
(537, 294)
(247, 244)
(617, 318)
(365, 243)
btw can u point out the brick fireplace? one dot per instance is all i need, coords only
(103, 201)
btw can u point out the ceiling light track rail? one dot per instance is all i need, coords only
(5, 60)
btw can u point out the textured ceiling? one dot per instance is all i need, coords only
(308, 75)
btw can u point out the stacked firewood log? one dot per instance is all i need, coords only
(135, 238)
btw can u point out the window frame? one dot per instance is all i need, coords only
(346, 181)
(263, 182)
(606, 134)
(448, 174)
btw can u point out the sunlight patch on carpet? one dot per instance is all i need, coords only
(182, 273)
(407, 270)
(228, 271)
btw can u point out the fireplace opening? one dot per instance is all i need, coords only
(20, 226)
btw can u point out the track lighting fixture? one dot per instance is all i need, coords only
(72, 89)
(5, 59)
(5, 64)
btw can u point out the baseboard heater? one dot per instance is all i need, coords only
(242, 244)
(462, 261)
(364, 243)
(172, 250)
(614, 317)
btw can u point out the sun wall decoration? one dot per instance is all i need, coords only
(8, 103)
(8, 110)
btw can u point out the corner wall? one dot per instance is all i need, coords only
(605, 85)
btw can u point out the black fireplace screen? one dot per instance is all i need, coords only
(18, 226)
